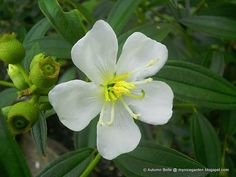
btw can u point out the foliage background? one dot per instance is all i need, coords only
(201, 39)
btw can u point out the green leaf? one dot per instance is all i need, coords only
(217, 63)
(205, 141)
(121, 13)
(147, 157)
(219, 27)
(39, 134)
(68, 24)
(69, 74)
(8, 96)
(52, 45)
(196, 84)
(157, 33)
(86, 137)
(12, 162)
(30, 53)
(228, 122)
(71, 164)
(37, 31)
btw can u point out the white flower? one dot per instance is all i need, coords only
(118, 89)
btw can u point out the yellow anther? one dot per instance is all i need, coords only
(121, 77)
(118, 87)
(112, 96)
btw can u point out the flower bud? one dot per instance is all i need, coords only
(11, 50)
(21, 117)
(44, 71)
(16, 77)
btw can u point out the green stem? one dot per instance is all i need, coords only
(6, 84)
(91, 166)
(223, 153)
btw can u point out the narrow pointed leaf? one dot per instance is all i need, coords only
(121, 13)
(205, 142)
(39, 134)
(158, 33)
(68, 24)
(37, 31)
(148, 156)
(53, 45)
(220, 27)
(198, 85)
(71, 164)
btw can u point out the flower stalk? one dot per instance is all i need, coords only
(6, 84)
(91, 166)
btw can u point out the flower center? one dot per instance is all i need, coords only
(118, 87)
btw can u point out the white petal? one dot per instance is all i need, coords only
(121, 137)
(95, 54)
(76, 103)
(156, 107)
(138, 52)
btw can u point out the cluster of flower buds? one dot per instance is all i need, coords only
(43, 74)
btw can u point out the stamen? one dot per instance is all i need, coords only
(142, 81)
(137, 96)
(149, 64)
(106, 93)
(101, 121)
(112, 96)
(112, 114)
(135, 116)
(121, 77)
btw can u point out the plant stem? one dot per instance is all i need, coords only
(6, 84)
(223, 152)
(91, 166)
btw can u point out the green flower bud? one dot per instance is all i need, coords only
(11, 50)
(21, 117)
(16, 77)
(44, 71)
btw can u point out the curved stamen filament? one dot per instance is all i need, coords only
(149, 64)
(135, 116)
(142, 81)
(101, 121)
(137, 96)
(101, 118)
(112, 114)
